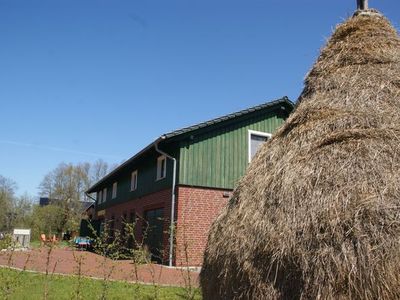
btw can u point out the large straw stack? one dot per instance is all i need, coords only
(317, 215)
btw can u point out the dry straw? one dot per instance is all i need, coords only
(317, 215)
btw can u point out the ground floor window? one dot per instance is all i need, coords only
(101, 226)
(153, 233)
(131, 229)
(132, 217)
(112, 227)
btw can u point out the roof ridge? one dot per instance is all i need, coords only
(225, 117)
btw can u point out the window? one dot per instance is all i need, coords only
(99, 197)
(256, 139)
(114, 190)
(112, 227)
(101, 229)
(134, 181)
(132, 217)
(153, 232)
(131, 229)
(161, 167)
(104, 194)
(124, 223)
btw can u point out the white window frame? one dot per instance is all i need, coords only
(104, 194)
(254, 132)
(100, 196)
(114, 190)
(134, 174)
(159, 163)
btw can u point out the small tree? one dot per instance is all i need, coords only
(22, 211)
(46, 220)
(7, 190)
(66, 186)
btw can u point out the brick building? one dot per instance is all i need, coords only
(186, 176)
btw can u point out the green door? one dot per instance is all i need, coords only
(154, 231)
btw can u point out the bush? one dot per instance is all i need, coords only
(6, 242)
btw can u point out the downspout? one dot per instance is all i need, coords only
(87, 195)
(172, 226)
(95, 202)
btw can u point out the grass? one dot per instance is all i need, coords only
(27, 285)
(37, 244)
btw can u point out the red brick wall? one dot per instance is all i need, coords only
(197, 209)
(139, 206)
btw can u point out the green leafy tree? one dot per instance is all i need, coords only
(46, 220)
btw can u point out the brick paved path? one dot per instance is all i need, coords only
(64, 261)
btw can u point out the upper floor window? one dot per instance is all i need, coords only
(161, 167)
(99, 197)
(256, 139)
(114, 190)
(104, 194)
(134, 180)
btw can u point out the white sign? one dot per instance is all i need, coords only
(22, 231)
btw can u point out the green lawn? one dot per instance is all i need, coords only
(37, 244)
(25, 285)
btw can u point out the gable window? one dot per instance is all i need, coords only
(161, 167)
(134, 180)
(114, 190)
(104, 194)
(256, 139)
(99, 197)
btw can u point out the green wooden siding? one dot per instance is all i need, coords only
(146, 181)
(212, 156)
(220, 157)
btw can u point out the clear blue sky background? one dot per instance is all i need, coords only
(83, 80)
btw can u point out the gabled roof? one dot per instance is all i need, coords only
(180, 132)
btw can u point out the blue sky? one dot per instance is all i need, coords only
(83, 80)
